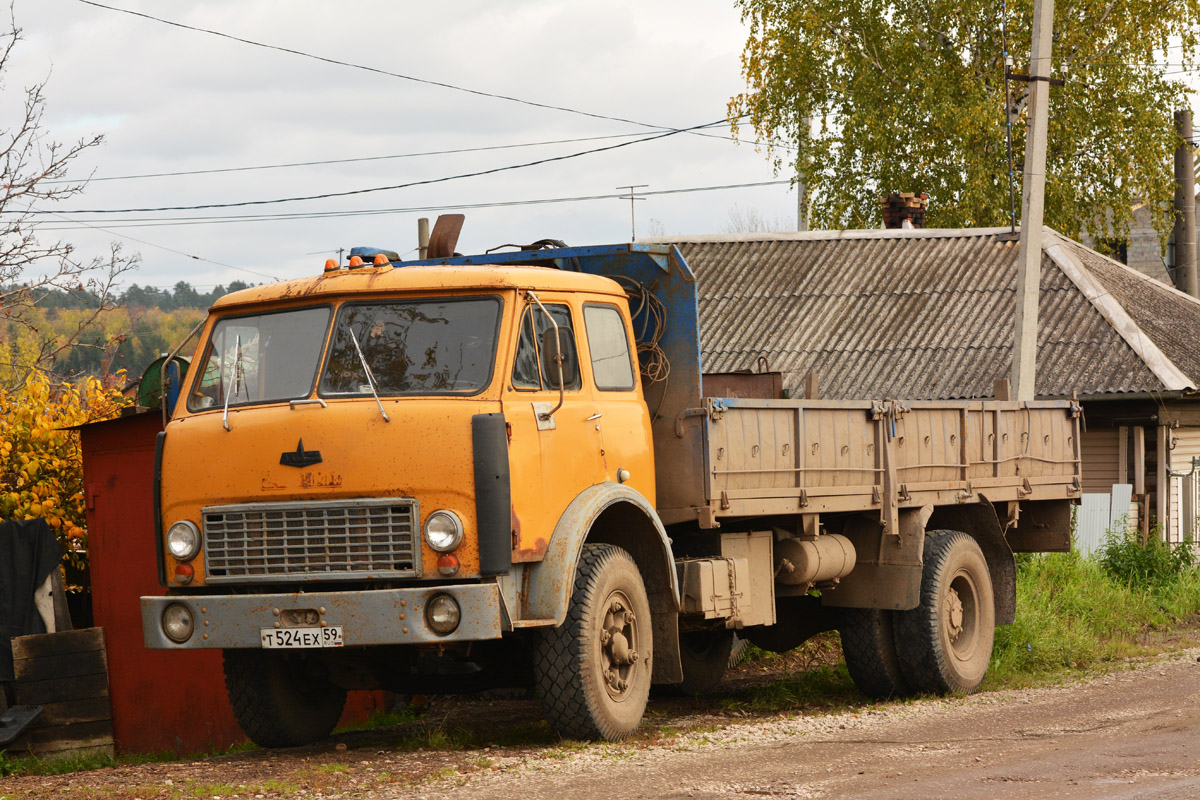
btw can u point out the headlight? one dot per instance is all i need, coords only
(443, 531)
(442, 614)
(177, 622)
(183, 540)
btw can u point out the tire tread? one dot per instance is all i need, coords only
(869, 647)
(560, 656)
(921, 659)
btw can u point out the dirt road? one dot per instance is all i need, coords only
(1129, 734)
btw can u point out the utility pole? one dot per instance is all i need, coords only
(422, 238)
(631, 198)
(1185, 207)
(801, 202)
(1029, 253)
(801, 188)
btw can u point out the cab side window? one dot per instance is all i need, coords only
(612, 366)
(532, 368)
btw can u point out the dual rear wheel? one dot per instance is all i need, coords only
(944, 644)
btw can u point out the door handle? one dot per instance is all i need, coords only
(597, 415)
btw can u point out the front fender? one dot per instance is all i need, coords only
(612, 513)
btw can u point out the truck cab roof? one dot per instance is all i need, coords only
(420, 278)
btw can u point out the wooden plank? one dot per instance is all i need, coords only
(71, 712)
(62, 689)
(100, 747)
(1139, 460)
(55, 644)
(90, 662)
(80, 734)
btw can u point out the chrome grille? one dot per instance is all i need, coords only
(314, 540)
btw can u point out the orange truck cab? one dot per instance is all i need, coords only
(497, 470)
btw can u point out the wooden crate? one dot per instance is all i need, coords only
(67, 674)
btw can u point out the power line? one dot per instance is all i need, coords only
(348, 193)
(158, 246)
(378, 71)
(163, 222)
(219, 170)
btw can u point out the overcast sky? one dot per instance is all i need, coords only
(171, 100)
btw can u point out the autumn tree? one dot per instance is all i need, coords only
(41, 470)
(862, 97)
(35, 178)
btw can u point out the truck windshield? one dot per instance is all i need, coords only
(261, 358)
(414, 347)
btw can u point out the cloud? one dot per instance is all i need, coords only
(170, 100)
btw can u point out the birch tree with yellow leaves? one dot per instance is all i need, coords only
(863, 97)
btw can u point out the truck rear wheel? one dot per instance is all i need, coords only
(281, 699)
(869, 646)
(945, 643)
(593, 672)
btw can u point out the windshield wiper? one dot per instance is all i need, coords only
(370, 375)
(234, 373)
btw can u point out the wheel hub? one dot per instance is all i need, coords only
(954, 614)
(618, 645)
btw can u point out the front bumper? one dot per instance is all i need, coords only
(372, 617)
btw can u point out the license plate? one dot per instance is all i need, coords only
(302, 637)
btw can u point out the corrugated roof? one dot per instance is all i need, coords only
(928, 314)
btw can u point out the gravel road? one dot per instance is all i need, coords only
(1129, 734)
(1132, 733)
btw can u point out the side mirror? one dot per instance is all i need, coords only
(552, 352)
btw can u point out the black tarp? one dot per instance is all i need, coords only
(28, 553)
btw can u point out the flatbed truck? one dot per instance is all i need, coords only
(480, 471)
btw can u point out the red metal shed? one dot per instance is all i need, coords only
(161, 700)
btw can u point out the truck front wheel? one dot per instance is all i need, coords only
(945, 643)
(593, 672)
(281, 699)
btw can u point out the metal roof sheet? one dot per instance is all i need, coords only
(923, 314)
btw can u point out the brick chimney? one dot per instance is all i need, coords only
(899, 207)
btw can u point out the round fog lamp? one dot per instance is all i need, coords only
(183, 540)
(442, 614)
(177, 622)
(443, 531)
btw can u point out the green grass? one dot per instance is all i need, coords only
(383, 719)
(1076, 614)
(32, 765)
(821, 687)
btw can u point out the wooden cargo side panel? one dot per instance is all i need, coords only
(67, 674)
(753, 448)
(837, 448)
(851, 456)
(981, 443)
(927, 446)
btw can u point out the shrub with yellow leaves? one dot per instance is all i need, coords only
(41, 466)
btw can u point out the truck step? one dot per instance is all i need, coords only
(15, 720)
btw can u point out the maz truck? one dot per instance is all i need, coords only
(508, 469)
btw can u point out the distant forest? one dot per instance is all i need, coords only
(182, 295)
(146, 323)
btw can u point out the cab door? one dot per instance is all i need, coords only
(554, 453)
(626, 439)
